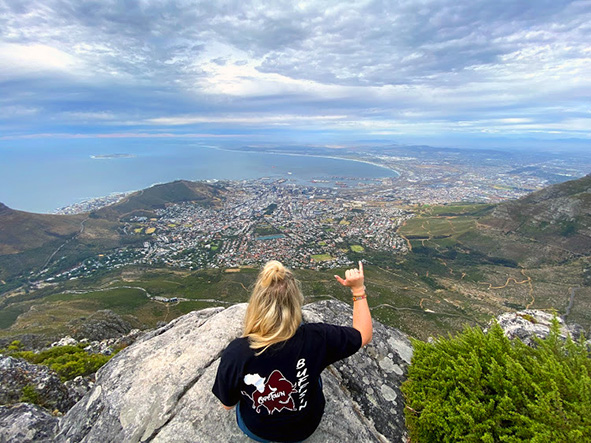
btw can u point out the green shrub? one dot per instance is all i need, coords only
(30, 395)
(15, 345)
(487, 388)
(67, 361)
(529, 318)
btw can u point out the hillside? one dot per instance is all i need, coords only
(20, 231)
(559, 215)
(465, 263)
(514, 255)
(145, 201)
(28, 241)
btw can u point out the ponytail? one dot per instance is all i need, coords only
(274, 310)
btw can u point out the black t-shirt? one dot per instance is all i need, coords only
(279, 393)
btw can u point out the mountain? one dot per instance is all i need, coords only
(21, 231)
(559, 215)
(465, 263)
(159, 196)
(27, 240)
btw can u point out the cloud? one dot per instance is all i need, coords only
(147, 135)
(21, 60)
(373, 65)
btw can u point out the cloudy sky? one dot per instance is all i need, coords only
(273, 71)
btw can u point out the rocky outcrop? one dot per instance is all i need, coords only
(159, 389)
(101, 325)
(23, 381)
(528, 324)
(79, 387)
(24, 423)
(106, 347)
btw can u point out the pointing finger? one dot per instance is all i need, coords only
(360, 266)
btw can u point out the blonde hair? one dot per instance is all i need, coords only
(274, 310)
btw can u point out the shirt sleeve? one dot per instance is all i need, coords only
(341, 342)
(227, 381)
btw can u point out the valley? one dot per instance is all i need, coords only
(174, 248)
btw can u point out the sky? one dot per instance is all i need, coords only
(333, 73)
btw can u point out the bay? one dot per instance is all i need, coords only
(44, 177)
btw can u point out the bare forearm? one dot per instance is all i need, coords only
(362, 320)
(354, 279)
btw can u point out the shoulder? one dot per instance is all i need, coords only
(326, 328)
(239, 347)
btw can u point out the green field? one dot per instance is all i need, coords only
(322, 257)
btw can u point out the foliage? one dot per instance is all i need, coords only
(568, 229)
(16, 345)
(529, 318)
(30, 395)
(485, 387)
(67, 361)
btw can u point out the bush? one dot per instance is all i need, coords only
(485, 387)
(67, 361)
(30, 395)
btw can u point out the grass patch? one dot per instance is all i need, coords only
(322, 257)
(357, 248)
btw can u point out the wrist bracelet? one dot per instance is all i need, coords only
(359, 297)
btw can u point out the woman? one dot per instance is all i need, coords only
(273, 371)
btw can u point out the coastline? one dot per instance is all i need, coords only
(305, 155)
(99, 180)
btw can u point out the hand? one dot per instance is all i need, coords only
(353, 278)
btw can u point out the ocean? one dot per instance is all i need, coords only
(42, 177)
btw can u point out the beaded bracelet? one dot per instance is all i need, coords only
(359, 297)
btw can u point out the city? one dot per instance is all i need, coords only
(315, 227)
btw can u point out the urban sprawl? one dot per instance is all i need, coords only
(319, 226)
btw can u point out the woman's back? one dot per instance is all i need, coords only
(279, 392)
(273, 371)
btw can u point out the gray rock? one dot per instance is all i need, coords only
(371, 377)
(79, 387)
(64, 341)
(159, 389)
(530, 323)
(15, 374)
(24, 423)
(109, 345)
(100, 326)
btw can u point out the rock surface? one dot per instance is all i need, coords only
(16, 374)
(79, 386)
(101, 325)
(24, 423)
(530, 323)
(159, 389)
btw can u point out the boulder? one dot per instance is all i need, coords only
(530, 323)
(159, 388)
(41, 382)
(24, 423)
(99, 326)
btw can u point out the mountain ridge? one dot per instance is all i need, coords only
(559, 215)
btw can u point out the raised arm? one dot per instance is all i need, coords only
(354, 279)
